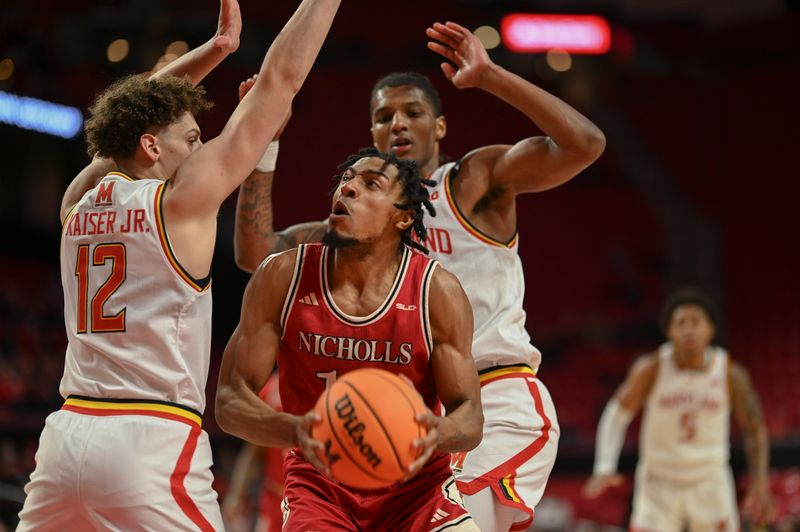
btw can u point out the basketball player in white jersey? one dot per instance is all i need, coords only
(474, 236)
(126, 451)
(688, 388)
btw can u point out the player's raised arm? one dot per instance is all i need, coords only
(214, 171)
(571, 141)
(195, 65)
(254, 234)
(758, 504)
(617, 415)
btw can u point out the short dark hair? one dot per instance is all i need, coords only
(135, 105)
(689, 296)
(414, 79)
(414, 190)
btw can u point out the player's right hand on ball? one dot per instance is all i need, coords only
(598, 484)
(310, 447)
(427, 444)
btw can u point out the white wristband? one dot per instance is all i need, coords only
(270, 157)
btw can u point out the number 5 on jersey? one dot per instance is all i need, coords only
(99, 322)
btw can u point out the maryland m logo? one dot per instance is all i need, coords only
(104, 191)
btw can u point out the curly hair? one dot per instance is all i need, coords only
(135, 105)
(689, 296)
(414, 191)
(414, 79)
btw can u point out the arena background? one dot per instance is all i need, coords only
(698, 184)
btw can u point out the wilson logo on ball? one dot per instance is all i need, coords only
(355, 429)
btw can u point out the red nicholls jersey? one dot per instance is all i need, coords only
(321, 343)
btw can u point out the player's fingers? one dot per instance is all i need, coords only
(444, 51)
(448, 70)
(452, 34)
(445, 38)
(457, 28)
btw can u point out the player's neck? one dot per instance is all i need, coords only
(365, 266)
(692, 358)
(132, 168)
(429, 167)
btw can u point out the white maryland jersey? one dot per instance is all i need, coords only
(491, 274)
(686, 423)
(139, 327)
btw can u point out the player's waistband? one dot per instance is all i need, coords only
(504, 372)
(93, 406)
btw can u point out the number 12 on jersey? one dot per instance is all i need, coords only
(91, 317)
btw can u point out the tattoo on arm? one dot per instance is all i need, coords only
(255, 206)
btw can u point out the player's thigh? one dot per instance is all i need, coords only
(712, 507)
(657, 505)
(490, 514)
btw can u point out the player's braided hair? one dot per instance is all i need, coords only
(414, 191)
(135, 105)
(689, 296)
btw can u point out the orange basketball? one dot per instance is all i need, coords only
(368, 426)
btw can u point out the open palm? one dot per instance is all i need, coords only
(229, 26)
(461, 48)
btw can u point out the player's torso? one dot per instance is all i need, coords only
(321, 343)
(491, 274)
(138, 326)
(685, 428)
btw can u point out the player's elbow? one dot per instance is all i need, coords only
(594, 143)
(246, 261)
(223, 409)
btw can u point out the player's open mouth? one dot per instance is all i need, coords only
(401, 146)
(339, 210)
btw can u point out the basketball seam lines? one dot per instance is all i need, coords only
(419, 429)
(378, 419)
(342, 446)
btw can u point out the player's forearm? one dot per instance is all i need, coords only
(296, 47)
(756, 441)
(568, 128)
(610, 437)
(241, 413)
(461, 429)
(196, 64)
(254, 235)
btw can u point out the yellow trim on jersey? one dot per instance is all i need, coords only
(120, 174)
(466, 223)
(150, 407)
(162, 236)
(499, 372)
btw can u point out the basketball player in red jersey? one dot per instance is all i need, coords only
(126, 451)
(474, 236)
(361, 299)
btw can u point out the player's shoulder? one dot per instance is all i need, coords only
(275, 268)
(645, 366)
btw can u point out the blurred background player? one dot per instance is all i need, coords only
(377, 304)
(127, 450)
(473, 235)
(688, 388)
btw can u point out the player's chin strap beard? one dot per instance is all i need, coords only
(335, 241)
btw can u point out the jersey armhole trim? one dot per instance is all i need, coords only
(465, 223)
(288, 303)
(424, 314)
(201, 285)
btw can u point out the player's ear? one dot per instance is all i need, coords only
(441, 127)
(404, 220)
(148, 143)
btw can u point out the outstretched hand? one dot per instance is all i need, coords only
(461, 48)
(229, 26)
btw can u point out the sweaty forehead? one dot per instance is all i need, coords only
(689, 310)
(388, 97)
